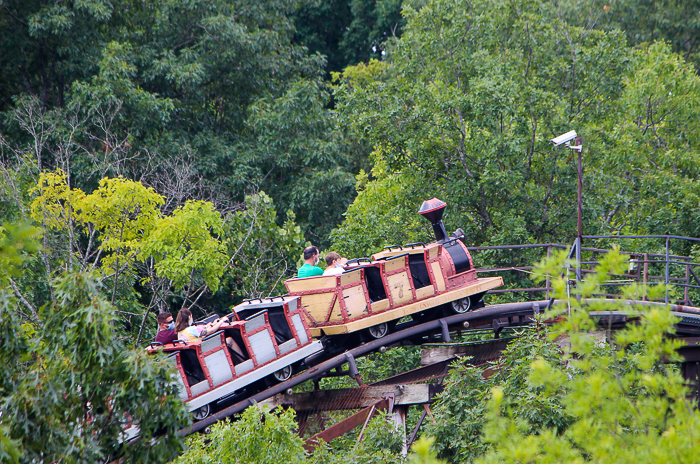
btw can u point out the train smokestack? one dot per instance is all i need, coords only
(432, 210)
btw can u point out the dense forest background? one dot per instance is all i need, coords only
(157, 155)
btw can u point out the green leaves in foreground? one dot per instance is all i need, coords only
(462, 411)
(261, 436)
(69, 389)
(627, 405)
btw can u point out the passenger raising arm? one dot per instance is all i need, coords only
(186, 330)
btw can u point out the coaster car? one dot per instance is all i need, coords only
(418, 280)
(271, 333)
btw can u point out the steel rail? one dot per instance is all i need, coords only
(488, 313)
(491, 312)
(678, 237)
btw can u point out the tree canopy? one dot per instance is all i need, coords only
(166, 155)
(464, 108)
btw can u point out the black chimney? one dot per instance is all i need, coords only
(432, 210)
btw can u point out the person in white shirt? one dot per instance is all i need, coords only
(334, 264)
(187, 331)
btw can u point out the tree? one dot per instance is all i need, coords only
(262, 436)
(625, 403)
(131, 91)
(348, 32)
(70, 387)
(468, 98)
(374, 24)
(598, 401)
(461, 412)
(647, 21)
(258, 437)
(263, 255)
(119, 231)
(185, 249)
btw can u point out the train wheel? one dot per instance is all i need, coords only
(283, 374)
(201, 413)
(378, 331)
(462, 306)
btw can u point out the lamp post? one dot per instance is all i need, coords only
(579, 220)
(579, 199)
(565, 139)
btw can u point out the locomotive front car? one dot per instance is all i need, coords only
(411, 280)
(274, 340)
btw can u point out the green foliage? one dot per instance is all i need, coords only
(625, 404)
(379, 444)
(122, 211)
(9, 449)
(374, 23)
(185, 242)
(465, 105)
(461, 412)
(120, 231)
(259, 437)
(69, 389)
(423, 453)
(262, 254)
(348, 32)
(218, 89)
(17, 242)
(369, 223)
(262, 436)
(649, 21)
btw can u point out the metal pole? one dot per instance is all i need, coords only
(579, 219)
(578, 267)
(645, 275)
(577, 244)
(547, 281)
(579, 215)
(686, 300)
(668, 239)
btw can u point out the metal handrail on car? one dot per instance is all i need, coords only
(398, 256)
(218, 332)
(255, 315)
(357, 261)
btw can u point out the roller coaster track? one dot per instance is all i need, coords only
(495, 317)
(517, 313)
(669, 268)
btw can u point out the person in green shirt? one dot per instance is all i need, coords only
(309, 269)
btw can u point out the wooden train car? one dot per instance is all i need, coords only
(275, 340)
(373, 294)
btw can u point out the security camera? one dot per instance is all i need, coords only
(568, 137)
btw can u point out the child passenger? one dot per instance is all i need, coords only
(334, 264)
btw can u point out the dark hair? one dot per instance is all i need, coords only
(332, 256)
(309, 252)
(162, 317)
(183, 320)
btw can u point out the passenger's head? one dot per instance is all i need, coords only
(165, 320)
(310, 252)
(183, 319)
(331, 258)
